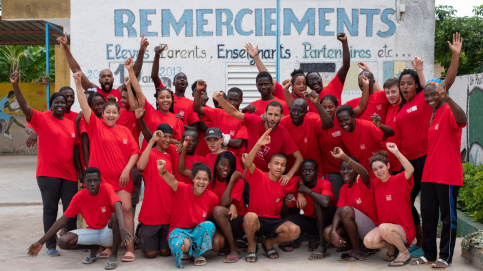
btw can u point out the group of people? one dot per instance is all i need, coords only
(295, 163)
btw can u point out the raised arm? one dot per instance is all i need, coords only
(143, 160)
(339, 154)
(139, 113)
(168, 177)
(74, 66)
(286, 84)
(408, 168)
(138, 65)
(386, 130)
(365, 95)
(155, 69)
(197, 107)
(313, 97)
(182, 169)
(26, 109)
(455, 58)
(346, 58)
(230, 109)
(263, 140)
(134, 81)
(226, 198)
(253, 52)
(81, 97)
(363, 66)
(458, 112)
(418, 64)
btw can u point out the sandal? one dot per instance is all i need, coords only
(420, 261)
(185, 258)
(390, 258)
(90, 260)
(232, 259)
(344, 258)
(318, 256)
(397, 263)
(105, 253)
(270, 252)
(252, 255)
(53, 253)
(110, 265)
(439, 262)
(200, 260)
(129, 257)
(313, 245)
(286, 247)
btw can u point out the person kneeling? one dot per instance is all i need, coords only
(102, 210)
(266, 198)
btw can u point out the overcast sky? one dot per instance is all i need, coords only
(464, 7)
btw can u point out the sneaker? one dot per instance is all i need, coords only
(8, 135)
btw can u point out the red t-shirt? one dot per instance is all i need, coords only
(57, 139)
(161, 85)
(279, 92)
(115, 92)
(328, 140)
(96, 210)
(443, 163)
(266, 196)
(412, 126)
(195, 209)
(202, 148)
(391, 122)
(157, 205)
(323, 187)
(153, 118)
(190, 159)
(282, 141)
(184, 107)
(110, 150)
(306, 137)
(394, 203)
(236, 194)
(70, 116)
(359, 196)
(228, 125)
(377, 103)
(363, 142)
(262, 106)
(128, 119)
(335, 87)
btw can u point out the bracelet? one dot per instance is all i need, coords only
(350, 159)
(163, 172)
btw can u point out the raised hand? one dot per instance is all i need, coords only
(157, 135)
(111, 98)
(34, 249)
(252, 51)
(236, 175)
(364, 80)
(338, 153)
(417, 63)
(217, 95)
(342, 37)
(127, 80)
(312, 96)
(138, 109)
(200, 85)
(14, 77)
(392, 147)
(144, 43)
(158, 49)
(62, 40)
(440, 90)
(363, 66)
(376, 119)
(457, 43)
(128, 63)
(187, 141)
(161, 164)
(244, 157)
(286, 84)
(265, 138)
(77, 77)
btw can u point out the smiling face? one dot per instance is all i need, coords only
(110, 115)
(277, 166)
(299, 85)
(163, 141)
(309, 172)
(92, 181)
(223, 168)
(274, 116)
(431, 97)
(200, 182)
(97, 105)
(347, 173)
(392, 95)
(298, 111)
(59, 106)
(346, 121)
(180, 81)
(264, 86)
(329, 107)
(381, 170)
(214, 144)
(164, 100)
(106, 79)
(314, 82)
(407, 86)
(69, 94)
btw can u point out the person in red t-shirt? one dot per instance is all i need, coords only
(266, 198)
(58, 159)
(391, 88)
(153, 220)
(96, 103)
(442, 175)
(106, 78)
(114, 151)
(392, 196)
(356, 213)
(189, 233)
(204, 122)
(320, 200)
(102, 210)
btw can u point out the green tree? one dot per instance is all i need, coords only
(470, 28)
(30, 59)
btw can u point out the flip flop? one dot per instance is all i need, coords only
(105, 253)
(445, 264)
(53, 253)
(90, 260)
(318, 256)
(232, 259)
(185, 258)
(344, 258)
(368, 252)
(421, 261)
(270, 252)
(392, 264)
(200, 260)
(129, 257)
(110, 265)
(389, 257)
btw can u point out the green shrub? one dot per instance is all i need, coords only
(470, 199)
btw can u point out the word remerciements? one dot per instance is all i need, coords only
(258, 22)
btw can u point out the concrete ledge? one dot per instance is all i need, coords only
(466, 225)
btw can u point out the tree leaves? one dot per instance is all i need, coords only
(31, 61)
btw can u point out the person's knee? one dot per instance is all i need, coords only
(66, 241)
(165, 252)
(218, 242)
(250, 219)
(293, 231)
(327, 231)
(150, 254)
(219, 212)
(385, 229)
(127, 208)
(185, 246)
(347, 212)
(369, 241)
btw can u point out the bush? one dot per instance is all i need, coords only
(470, 198)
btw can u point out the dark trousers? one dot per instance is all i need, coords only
(52, 190)
(418, 165)
(436, 198)
(336, 180)
(137, 179)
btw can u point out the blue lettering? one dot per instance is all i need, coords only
(323, 22)
(270, 22)
(109, 51)
(144, 22)
(342, 20)
(227, 23)
(369, 14)
(201, 22)
(239, 21)
(120, 25)
(258, 22)
(290, 18)
(185, 21)
(385, 19)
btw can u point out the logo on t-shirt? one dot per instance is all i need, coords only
(336, 133)
(133, 124)
(204, 214)
(232, 133)
(306, 139)
(262, 151)
(103, 209)
(72, 135)
(379, 107)
(181, 112)
(278, 200)
(124, 141)
(436, 127)
(388, 197)
(358, 201)
(363, 147)
(414, 108)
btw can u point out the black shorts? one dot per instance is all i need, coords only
(153, 237)
(268, 226)
(307, 224)
(237, 227)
